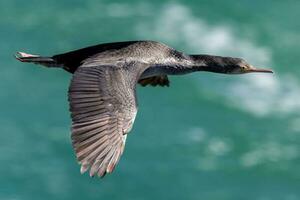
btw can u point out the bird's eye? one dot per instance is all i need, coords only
(244, 68)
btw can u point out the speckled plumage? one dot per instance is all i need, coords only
(102, 93)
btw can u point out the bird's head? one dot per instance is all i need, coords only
(225, 65)
(240, 66)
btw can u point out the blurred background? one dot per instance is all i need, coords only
(208, 136)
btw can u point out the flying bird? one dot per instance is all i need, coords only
(102, 92)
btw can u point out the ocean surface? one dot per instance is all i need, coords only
(208, 136)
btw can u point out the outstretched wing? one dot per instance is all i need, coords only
(103, 109)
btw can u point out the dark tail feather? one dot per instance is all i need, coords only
(46, 61)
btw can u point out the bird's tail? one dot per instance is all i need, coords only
(36, 59)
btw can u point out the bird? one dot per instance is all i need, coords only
(102, 92)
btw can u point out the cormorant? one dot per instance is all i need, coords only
(102, 93)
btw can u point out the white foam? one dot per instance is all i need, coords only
(263, 94)
(214, 149)
(267, 152)
(218, 147)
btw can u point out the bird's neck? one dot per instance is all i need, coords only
(208, 63)
(185, 66)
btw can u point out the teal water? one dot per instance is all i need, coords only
(208, 136)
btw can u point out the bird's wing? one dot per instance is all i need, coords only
(103, 108)
(155, 80)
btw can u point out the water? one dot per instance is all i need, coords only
(208, 136)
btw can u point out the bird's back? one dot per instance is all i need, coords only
(111, 52)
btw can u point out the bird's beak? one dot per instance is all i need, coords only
(253, 69)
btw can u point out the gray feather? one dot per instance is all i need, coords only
(101, 109)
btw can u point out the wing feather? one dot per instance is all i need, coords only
(103, 110)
